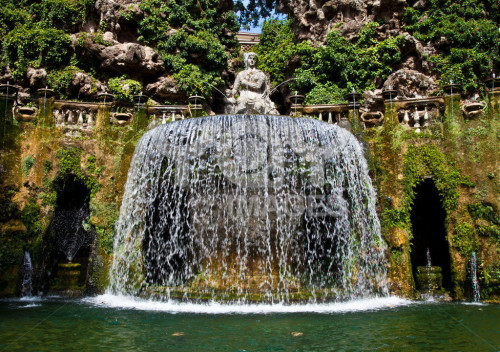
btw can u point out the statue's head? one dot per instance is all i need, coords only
(250, 59)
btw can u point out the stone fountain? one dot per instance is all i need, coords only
(249, 207)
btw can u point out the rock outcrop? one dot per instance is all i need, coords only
(413, 75)
(411, 83)
(315, 18)
(132, 58)
(37, 78)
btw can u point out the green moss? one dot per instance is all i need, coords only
(105, 239)
(490, 227)
(465, 239)
(49, 198)
(419, 162)
(47, 167)
(30, 216)
(483, 211)
(28, 163)
(466, 181)
(103, 215)
(91, 164)
(70, 163)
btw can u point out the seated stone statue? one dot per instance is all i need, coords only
(253, 87)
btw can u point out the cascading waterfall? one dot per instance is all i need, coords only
(249, 208)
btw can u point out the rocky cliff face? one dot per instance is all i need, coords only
(314, 19)
(164, 46)
(113, 38)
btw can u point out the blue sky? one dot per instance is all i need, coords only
(258, 28)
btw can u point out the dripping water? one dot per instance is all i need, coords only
(44, 103)
(27, 275)
(476, 297)
(428, 270)
(5, 114)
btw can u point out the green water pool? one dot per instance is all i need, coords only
(98, 325)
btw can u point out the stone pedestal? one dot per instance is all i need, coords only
(296, 107)
(494, 101)
(67, 282)
(429, 278)
(353, 112)
(196, 103)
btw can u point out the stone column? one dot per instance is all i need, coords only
(452, 119)
(46, 99)
(102, 123)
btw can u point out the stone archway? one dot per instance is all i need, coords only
(428, 220)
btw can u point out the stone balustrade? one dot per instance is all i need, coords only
(411, 113)
(168, 113)
(331, 113)
(416, 114)
(71, 114)
(420, 113)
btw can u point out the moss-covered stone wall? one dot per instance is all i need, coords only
(461, 157)
(34, 159)
(463, 165)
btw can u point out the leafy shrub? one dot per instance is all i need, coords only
(60, 80)
(62, 14)
(327, 93)
(276, 49)
(124, 88)
(325, 73)
(193, 38)
(30, 216)
(464, 239)
(24, 46)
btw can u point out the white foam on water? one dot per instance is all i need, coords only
(24, 299)
(474, 304)
(30, 305)
(129, 302)
(31, 299)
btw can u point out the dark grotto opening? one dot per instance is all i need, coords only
(70, 237)
(429, 232)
